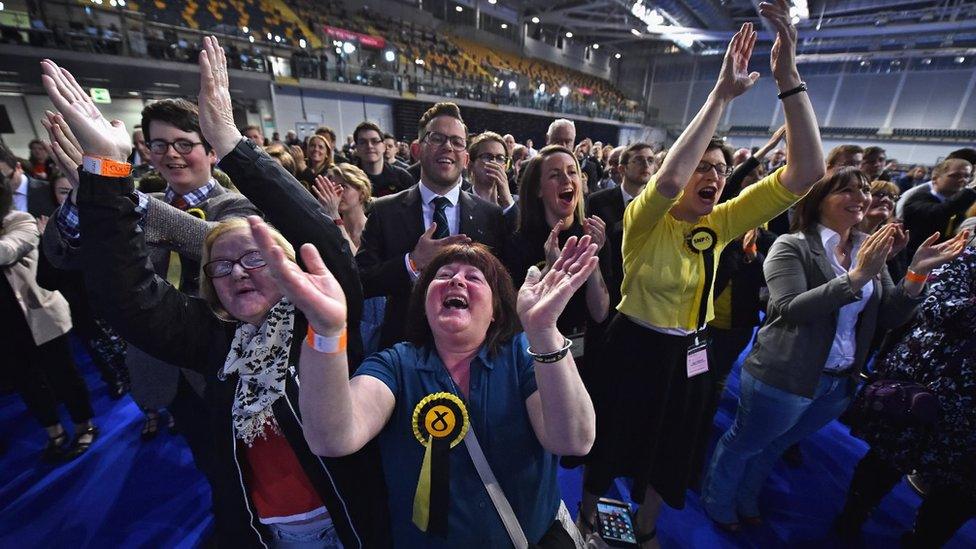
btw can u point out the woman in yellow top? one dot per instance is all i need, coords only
(653, 420)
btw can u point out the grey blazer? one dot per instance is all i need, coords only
(804, 299)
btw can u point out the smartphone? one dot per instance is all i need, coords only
(615, 523)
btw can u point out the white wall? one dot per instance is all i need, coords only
(25, 113)
(340, 111)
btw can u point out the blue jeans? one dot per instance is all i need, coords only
(768, 421)
(323, 537)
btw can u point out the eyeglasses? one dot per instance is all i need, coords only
(220, 268)
(438, 139)
(721, 169)
(182, 146)
(488, 157)
(369, 142)
(881, 195)
(645, 160)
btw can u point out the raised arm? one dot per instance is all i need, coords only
(804, 150)
(274, 191)
(144, 308)
(340, 416)
(733, 80)
(560, 410)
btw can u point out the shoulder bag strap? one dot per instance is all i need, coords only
(498, 498)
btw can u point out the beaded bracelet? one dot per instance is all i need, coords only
(801, 88)
(555, 356)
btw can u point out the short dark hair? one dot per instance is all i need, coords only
(807, 212)
(479, 140)
(719, 143)
(505, 324)
(631, 150)
(389, 136)
(873, 150)
(6, 198)
(848, 149)
(532, 216)
(178, 112)
(444, 108)
(328, 132)
(364, 127)
(968, 154)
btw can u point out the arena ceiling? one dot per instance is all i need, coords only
(827, 27)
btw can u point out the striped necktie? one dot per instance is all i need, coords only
(440, 217)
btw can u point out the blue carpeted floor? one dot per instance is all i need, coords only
(126, 493)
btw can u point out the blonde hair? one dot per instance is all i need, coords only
(327, 163)
(207, 291)
(356, 177)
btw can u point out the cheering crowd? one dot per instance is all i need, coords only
(378, 345)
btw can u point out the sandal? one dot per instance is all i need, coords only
(80, 447)
(150, 428)
(56, 448)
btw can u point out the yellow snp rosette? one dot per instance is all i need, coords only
(439, 422)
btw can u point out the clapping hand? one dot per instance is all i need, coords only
(95, 135)
(542, 297)
(872, 255)
(551, 246)
(734, 78)
(900, 236)
(428, 246)
(328, 194)
(316, 293)
(216, 109)
(930, 255)
(65, 149)
(596, 229)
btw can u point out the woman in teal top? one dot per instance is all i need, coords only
(465, 370)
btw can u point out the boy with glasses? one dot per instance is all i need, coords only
(370, 150)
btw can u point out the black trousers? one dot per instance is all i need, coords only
(43, 375)
(943, 511)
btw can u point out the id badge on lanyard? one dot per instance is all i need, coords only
(702, 241)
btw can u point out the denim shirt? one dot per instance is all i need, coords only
(499, 387)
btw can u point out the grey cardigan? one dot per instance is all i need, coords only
(804, 299)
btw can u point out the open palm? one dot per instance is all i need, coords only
(316, 293)
(931, 256)
(734, 78)
(542, 298)
(96, 135)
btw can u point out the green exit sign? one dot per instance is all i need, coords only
(100, 95)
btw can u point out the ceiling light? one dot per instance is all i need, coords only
(245, 30)
(535, 20)
(635, 32)
(389, 56)
(492, 2)
(563, 90)
(569, 34)
(458, 9)
(960, 60)
(504, 25)
(596, 46)
(617, 55)
(301, 43)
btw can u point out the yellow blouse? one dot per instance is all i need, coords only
(663, 277)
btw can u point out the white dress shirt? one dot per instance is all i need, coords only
(452, 211)
(20, 194)
(844, 346)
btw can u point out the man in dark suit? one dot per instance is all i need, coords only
(636, 168)
(30, 195)
(944, 207)
(406, 230)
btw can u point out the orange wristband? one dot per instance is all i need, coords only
(912, 276)
(328, 345)
(106, 167)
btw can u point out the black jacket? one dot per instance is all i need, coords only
(394, 225)
(608, 205)
(925, 214)
(182, 330)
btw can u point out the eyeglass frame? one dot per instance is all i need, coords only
(452, 139)
(704, 167)
(881, 195)
(498, 158)
(647, 161)
(169, 144)
(237, 261)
